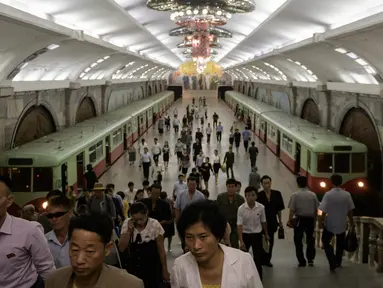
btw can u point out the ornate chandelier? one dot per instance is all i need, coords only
(230, 6)
(199, 21)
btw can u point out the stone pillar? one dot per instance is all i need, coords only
(5, 92)
(372, 247)
(324, 105)
(71, 94)
(293, 96)
(380, 251)
(105, 93)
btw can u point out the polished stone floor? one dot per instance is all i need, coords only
(285, 272)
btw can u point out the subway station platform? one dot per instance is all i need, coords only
(285, 272)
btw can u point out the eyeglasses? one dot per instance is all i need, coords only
(56, 215)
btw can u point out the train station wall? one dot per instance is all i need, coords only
(63, 104)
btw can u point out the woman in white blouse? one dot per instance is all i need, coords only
(210, 264)
(144, 237)
(216, 165)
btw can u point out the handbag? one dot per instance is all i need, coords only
(281, 233)
(127, 256)
(223, 167)
(351, 241)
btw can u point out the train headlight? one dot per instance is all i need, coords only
(360, 184)
(322, 184)
(45, 205)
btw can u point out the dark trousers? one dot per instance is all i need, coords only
(246, 144)
(306, 226)
(234, 240)
(208, 137)
(229, 167)
(146, 168)
(335, 260)
(255, 242)
(176, 128)
(155, 157)
(215, 123)
(266, 258)
(253, 162)
(219, 136)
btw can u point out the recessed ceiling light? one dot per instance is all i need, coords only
(53, 46)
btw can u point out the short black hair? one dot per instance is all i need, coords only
(191, 178)
(54, 193)
(205, 211)
(251, 189)
(336, 179)
(61, 201)
(238, 183)
(253, 143)
(138, 207)
(194, 170)
(157, 186)
(130, 184)
(302, 181)
(145, 183)
(265, 177)
(82, 209)
(231, 181)
(7, 182)
(98, 223)
(121, 194)
(163, 195)
(206, 193)
(110, 186)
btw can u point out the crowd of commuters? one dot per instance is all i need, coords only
(108, 238)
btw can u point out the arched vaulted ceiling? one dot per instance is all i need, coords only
(121, 40)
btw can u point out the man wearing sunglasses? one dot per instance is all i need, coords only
(59, 211)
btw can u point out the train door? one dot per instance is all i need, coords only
(80, 170)
(154, 116)
(64, 177)
(125, 139)
(278, 143)
(138, 126)
(297, 158)
(265, 135)
(308, 168)
(147, 120)
(254, 122)
(107, 151)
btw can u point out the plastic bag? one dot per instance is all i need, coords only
(223, 168)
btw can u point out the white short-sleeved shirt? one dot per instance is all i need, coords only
(251, 219)
(216, 159)
(152, 230)
(336, 203)
(130, 195)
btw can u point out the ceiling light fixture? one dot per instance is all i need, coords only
(369, 69)
(313, 77)
(86, 70)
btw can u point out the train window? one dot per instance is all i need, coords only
(117, 136)
(358, 161)
(21, 179)
(272, 132)
(142, 119)
(92, 154)
(263, 125)
(287, 144)
(324, 163)
(342, 163)
(99, 150)
(42, 179)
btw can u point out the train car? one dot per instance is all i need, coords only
(59, 160)
(307, 149)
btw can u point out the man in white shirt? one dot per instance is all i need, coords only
(179, 186)
(251, 221)
(336, 206)
(146, 159)
(303, 214)
(176, 124)
(141, 147)
(59, 212)
(130, 193)
(209, 130)
(219, 132)
(156, 151)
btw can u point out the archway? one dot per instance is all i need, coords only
(149, 91)
(85, 110)
(310, 112)
(34, 124)
(358, 125)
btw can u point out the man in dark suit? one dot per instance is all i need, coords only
(273, 202)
